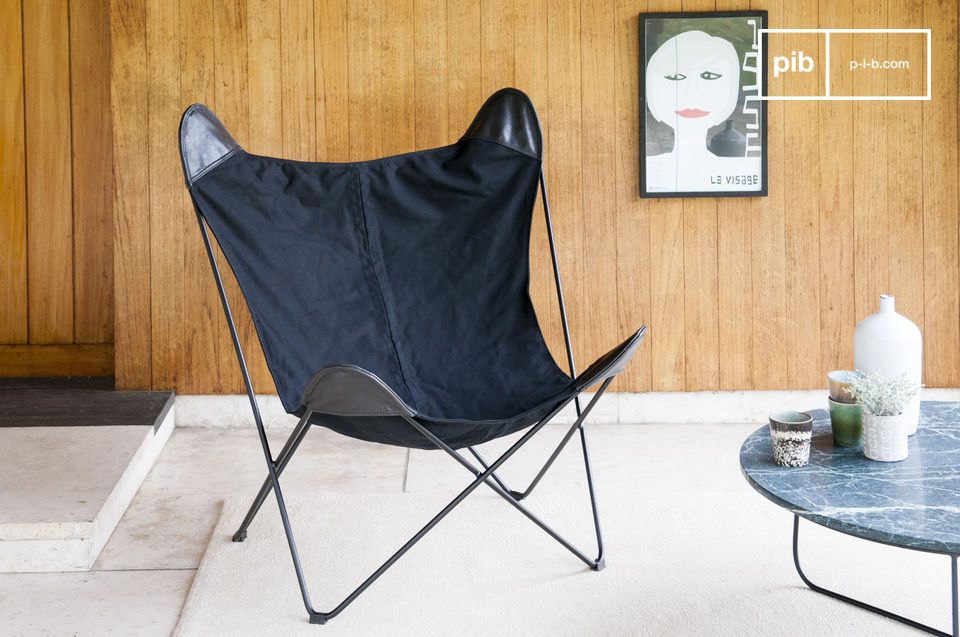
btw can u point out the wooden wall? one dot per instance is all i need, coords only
(56, 234)
(739, 293)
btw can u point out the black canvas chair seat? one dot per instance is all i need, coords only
(456, 432)
(412, 269)
(390, 296)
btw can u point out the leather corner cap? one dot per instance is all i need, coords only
(204, 142)
(347, 390)
(509, 118)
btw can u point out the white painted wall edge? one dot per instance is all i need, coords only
(722, 407)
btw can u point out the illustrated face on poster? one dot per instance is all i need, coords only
(703, 126)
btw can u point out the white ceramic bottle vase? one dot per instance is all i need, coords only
(890, 343)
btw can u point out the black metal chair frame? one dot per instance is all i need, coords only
(484, 474)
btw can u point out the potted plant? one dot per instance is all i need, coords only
(883, 400)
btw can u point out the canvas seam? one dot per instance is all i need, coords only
(364, 231)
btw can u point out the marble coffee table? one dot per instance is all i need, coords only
(913, 504)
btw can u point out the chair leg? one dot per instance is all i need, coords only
(549, 463)
(261, 432)
(595, 564)
(483, 478)
(600, 564)
(496, 478)
(299, 433)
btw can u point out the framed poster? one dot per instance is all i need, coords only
(703, 127)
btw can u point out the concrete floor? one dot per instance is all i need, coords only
(143, 576)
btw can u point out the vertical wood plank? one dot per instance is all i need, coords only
(46, 59)
(464, 90)
(232, 90)
(667, 311)
(206, 358)
(131, 155)
(232, 42)
(940, 215)
(632, 213)
(905, 165)
(564, 161)
(735, 294)
(801, 214)
(530, 53)
(333, 81)
(530, 75)
(734, 286)
(869, 165)
(700, 289)
(396, 78)
(598, 210)
(769, 247)
(92, 166)
(270, 96)
(299, 95)
(13, 179)
(430, 73)
(264, 71)
(167, 218)
(299, 111)
(835, 134)
(497, 26)
(366, 98)
(666, 291)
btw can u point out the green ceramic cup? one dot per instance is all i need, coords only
(847, 422)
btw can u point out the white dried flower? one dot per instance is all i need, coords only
(881, 395)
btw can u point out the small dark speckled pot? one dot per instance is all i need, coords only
(790, 432)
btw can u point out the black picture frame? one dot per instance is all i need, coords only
(645, 21)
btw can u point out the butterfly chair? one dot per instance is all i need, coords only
(390, 299)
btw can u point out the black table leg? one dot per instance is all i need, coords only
(956, 598)
(875, 609)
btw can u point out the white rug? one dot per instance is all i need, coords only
(715, 563)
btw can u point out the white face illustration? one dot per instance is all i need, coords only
(693, 80)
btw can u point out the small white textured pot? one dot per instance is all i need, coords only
(885, 437)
